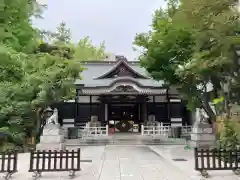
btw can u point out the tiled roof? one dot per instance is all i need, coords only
(95, 69)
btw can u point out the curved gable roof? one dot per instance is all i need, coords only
(126, 65)
(113, 88)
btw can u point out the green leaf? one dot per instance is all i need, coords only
(218, 100)
(192, 44)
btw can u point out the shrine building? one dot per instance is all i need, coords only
(120, 90)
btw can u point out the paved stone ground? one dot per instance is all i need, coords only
(178, 151)
(127, 163)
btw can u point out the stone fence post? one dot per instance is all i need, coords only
(142, 129)
(203, 136)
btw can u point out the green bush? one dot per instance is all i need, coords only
(10, 147)
(229, 137)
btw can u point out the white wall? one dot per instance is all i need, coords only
(86, 99)
(158, 98)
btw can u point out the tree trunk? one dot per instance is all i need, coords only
(209, 111)
(212, 116)
(205, 99)
(38, 123)
(25, 145)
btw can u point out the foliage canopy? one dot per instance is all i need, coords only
(192, 45)
(35, 73)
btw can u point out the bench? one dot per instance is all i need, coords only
(214, 159)
(8, 164)
(54, 161)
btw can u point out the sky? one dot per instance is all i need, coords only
(114, 21)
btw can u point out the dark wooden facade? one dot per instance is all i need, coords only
(119, 89)
(163, 111)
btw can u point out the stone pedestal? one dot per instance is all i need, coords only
(52, 138)
(202, 135)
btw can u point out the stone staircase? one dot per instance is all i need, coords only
(123, 139)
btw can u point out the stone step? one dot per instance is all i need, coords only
(51, 139)
(50, 146)
(75, 142)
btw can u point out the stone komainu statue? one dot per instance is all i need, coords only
(54, 118)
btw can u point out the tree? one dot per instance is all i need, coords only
(34, 75)
(30, 84)
(17, 30)
(63, 34)
(29, 81)
(60, 42)
(214, 26)
(190, 45)
(11, 112)
(85, 50)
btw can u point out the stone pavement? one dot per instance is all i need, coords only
(136, 163)
(126, 163)
(178, 152)
(113, 163)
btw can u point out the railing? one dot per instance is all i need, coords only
(159, 130)
(164, 131)
(54, 161)
(95, 131)
(8, 164)
(214, 159)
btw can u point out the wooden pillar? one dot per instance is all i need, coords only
(76, 106)
(139, 116)
(90, 106)
(139, 112)
(106, 112)
(145, 112)
(168, 106)
(154, 105)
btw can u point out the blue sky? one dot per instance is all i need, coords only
(114, 21)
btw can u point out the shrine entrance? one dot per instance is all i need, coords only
(124, 111)
(124, 117)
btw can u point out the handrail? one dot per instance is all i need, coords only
(156, 130)
(164, 131)
(95, 131)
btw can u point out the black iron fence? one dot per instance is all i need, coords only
(215, 159)
(8, 163)
(52, 161)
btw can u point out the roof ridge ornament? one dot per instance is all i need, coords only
(122, 68)
(120, 58)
